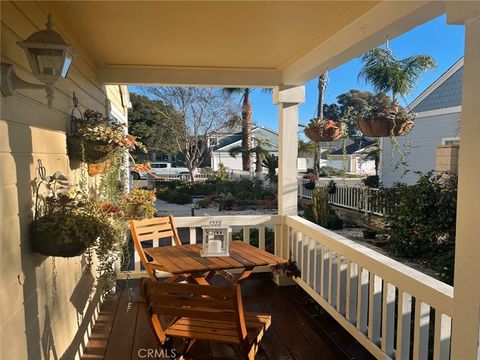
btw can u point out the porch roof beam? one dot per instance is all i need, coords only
(189, 76)
(392, 18)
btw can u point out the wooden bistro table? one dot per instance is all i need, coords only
(186, 259)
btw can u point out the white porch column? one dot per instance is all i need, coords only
(287, 98)
(466, 312)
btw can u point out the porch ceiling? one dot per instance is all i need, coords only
(229, 42)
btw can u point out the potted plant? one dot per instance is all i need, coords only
(387, 74)
(94, 139)
(311, 183)
(324, 130)
(65, 223)
(139, 204)
(387, 119)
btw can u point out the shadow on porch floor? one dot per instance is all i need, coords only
(295, 334)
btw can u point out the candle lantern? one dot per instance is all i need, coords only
(215, 239)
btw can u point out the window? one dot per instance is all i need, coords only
(159, 166)
(212, 141)
(451, 141)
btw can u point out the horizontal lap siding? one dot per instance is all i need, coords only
(42, 300)
(420, 155)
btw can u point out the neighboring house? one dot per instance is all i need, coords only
(352, 160)
(224, 140)
(433, 142)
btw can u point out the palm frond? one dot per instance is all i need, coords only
(386, 73)
(235, 151)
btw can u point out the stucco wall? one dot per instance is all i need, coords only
(423, 139)
(45, 303)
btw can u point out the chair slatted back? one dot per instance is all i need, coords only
(217, 303)
(149, 230)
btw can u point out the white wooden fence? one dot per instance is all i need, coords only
(393, 310)
(360, 198)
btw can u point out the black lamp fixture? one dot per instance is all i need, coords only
(50, 58)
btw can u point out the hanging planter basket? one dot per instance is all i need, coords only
(96, 169)
(91, 152)
(385, 127)
(389, 120)
(65, 236)
(323, 132)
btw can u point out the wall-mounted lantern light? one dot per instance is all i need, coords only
(50, 58)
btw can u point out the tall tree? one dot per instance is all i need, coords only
(148, 123)
(199, 112)
(322, 86)
(388, 74)
(246, 124)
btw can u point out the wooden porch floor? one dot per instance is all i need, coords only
(295, 334)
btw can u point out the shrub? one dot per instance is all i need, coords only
(322, 212)
(421, 220)
(327, 171)
(371, 181)
(179, 198)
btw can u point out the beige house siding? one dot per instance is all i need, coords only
(45, 302)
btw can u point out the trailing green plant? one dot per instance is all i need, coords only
(421, 220)
(68, 222)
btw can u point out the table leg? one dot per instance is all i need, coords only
(243, 275)
(199, 278)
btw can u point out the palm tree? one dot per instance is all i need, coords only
(386, 73)
(322, 85)
(259, 150)
(271, 163)
(246, 124)
(373, 153)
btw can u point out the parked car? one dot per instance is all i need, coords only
(161, 169)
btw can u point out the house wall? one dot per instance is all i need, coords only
(420, 145)
(46, 305)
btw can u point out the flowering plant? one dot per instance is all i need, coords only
(325, 130)
(96, 128)
(94, 139)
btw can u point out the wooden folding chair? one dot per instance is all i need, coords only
(149, 230)
(209, 313)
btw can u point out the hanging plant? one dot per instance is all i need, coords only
(323, 130)
(387, 74)
(386, 119)
(68, 223)
(94, 139)
(65, 221)
(97, 169)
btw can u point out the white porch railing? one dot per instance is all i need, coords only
(359, 198)
(393, 310)
(375, 298)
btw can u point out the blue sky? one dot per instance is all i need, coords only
(444, 42)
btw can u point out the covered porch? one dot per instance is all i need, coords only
(393, 311)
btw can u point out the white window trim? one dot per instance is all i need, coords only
(444, 140)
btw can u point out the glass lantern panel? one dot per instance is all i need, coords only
(66, 65)
(48, 61)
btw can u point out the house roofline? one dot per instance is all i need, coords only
(444, 77)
